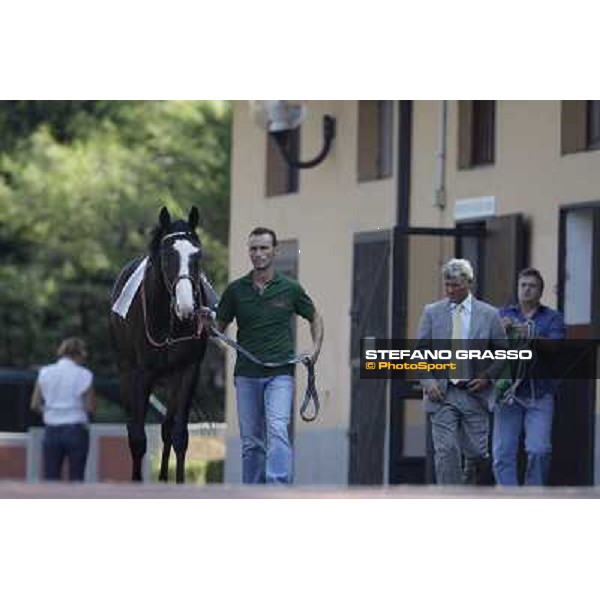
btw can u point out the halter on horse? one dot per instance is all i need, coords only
(159, 328)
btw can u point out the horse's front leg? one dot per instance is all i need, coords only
(167, 440)
(136, 432)
(180, 445)
(183, 399)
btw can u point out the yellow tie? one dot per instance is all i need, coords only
(457, 334)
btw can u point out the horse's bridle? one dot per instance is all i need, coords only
(197, 292)
(171, 285)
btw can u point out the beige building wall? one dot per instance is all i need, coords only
(529, 176)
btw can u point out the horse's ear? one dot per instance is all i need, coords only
(194, 218)
(165, 217)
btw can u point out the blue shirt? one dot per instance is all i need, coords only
(549, 324)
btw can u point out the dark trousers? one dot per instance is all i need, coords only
(65, 441)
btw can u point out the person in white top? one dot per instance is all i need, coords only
(64, 396)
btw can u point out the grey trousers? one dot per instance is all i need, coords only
(459, 427)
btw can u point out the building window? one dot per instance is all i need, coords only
(375, 139)
(578, 232)
(579, 273)
(281, 177)
(580, 126)
(593, 124)
(476, 133)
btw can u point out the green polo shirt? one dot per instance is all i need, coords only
(264, 321)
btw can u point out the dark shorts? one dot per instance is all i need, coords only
(70, 442)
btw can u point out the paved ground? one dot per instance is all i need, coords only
(16, 490)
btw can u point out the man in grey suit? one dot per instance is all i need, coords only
(459, 402)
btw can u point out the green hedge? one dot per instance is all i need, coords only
(199, 472)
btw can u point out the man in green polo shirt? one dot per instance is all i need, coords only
(263, 303)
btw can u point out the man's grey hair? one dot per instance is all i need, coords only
(458, 268)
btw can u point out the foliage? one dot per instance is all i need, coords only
(199, 472)
(81, 185)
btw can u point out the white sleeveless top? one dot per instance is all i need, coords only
(63, 384)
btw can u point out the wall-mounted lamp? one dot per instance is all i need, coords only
(279, 118)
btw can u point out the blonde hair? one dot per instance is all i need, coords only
(72, 347)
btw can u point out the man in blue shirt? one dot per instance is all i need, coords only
(531, 407)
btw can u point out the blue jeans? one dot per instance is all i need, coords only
(264, 407)
(61, 442)
(535, 416)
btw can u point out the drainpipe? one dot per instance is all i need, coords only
(439, 198)
(439, 195)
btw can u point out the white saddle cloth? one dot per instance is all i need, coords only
(123, 302)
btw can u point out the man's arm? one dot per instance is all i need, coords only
(317, 330)
(546, 341)
(424, 335)
(424, 332)
(304, 307)
(557, 329)
(224, 315)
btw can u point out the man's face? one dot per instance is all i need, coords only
(261, 251)
(529, 289)
(457, 289)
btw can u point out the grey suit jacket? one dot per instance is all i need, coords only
(485, 333)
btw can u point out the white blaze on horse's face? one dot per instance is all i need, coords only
(184, 293)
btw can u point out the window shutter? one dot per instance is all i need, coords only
(280, 177)
(367, 139)
(386, 135)
(593, 125)
(573, 126)
(483, 132)
(465, 126)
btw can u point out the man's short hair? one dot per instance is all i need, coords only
(531, 272)
(72, 347)
(458, 268)
(264, 231)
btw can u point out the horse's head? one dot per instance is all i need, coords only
(177, 249)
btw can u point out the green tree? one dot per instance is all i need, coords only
(81, 186)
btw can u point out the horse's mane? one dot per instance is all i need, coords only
(176, 227)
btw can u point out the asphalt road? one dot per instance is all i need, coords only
(18, 490)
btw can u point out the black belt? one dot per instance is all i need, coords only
(460, 385)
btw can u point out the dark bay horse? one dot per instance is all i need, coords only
(159, 328)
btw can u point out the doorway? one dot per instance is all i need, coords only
(497, 248)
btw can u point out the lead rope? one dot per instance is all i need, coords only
(311, 388)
